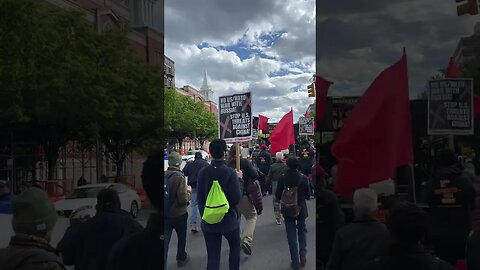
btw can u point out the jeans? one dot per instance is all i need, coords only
(248, 211)
(294, 226)
(179, 224)
(194, 205)
(214, 247)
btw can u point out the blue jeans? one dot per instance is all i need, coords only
(194, 205)
(296, 226)
(214, 247)
(179, 224)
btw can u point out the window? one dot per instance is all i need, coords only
(119, 188)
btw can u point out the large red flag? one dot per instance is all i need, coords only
(377, 136)
(263, 122)
(452, 70)
(321, 88)
(283, 135)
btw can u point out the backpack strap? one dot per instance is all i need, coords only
(38, 256)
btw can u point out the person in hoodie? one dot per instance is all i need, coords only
(450, 195)
(191, 171)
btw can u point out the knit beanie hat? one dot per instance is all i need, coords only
(174, 160)
(33, 213)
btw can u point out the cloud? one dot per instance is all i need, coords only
(266, 47)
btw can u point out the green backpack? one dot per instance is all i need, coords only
(216, 205)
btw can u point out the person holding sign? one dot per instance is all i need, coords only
(226, 183)
(249, 200)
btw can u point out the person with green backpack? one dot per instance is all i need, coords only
(219, 190)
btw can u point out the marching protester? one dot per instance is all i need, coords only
(251, 203)
(6, 198)
(363, 241)
(276, 171)
(218, 178)
(263, 162)
(450, 195)
(292, 191)
(408, 226)
(34, 218)
(143, 250)
(330, 216)
(177, 216)
(87, 245)
(191, 171)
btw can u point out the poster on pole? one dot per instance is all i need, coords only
(235, 118)
(255, 123)
(305, 126)
(450, 107)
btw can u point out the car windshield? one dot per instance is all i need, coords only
(81, 193)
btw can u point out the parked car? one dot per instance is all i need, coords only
(85, 197)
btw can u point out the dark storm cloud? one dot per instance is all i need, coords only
(353, 47)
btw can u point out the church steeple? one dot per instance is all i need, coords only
(205, 89)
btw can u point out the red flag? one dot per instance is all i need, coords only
(321, 88)
(476, 107)
(452, 70)
(307, 113)
(263, 122)
(377, 136)
(283, 135)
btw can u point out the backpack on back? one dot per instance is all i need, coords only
(289, 202)
(166, 194)
(216, 205)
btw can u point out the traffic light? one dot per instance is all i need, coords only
(468, 7)
(311, 90)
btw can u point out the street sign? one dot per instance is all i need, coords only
(256, 122)
(305, 126)
(235, 118)
(450, 107)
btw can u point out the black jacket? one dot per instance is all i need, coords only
(88, 244)
(264, 161)
(411, 258)
(293, 178)
(141, 251)
(451, 197)
(249, 172)
(231, 186)
(358, 244)
(276, 170)
(305, 159)
(191, 171)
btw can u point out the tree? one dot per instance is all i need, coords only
(45, 69)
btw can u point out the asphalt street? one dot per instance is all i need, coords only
(270, 247)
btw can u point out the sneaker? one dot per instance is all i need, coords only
(279, 222)
(303, 260)
(194, 229)
(182, 263)
(246, 248)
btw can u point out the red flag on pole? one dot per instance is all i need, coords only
(452, 70)
(377, 136)
(262, 122)
(283, 135)
(321, 88)
(307, 113)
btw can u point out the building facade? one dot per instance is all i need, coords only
(169, 73)
(146, 34)
(468, 47)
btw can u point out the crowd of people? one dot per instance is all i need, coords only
(445, 235)
(240, 191)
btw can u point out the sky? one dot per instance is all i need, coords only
(357, 39)
(266, 47)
